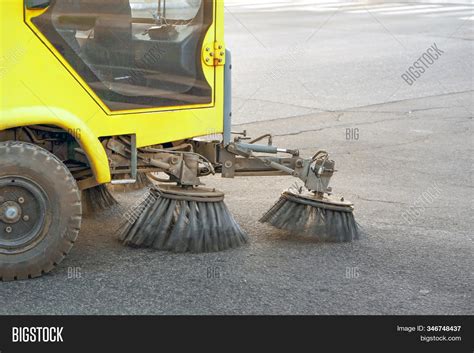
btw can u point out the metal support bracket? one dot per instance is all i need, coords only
(134, 156)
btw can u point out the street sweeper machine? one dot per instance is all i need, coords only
(97, 92)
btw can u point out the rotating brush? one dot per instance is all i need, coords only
(309, 215)
(97, 199)
(183, 220)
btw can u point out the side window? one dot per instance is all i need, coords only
(134, 53)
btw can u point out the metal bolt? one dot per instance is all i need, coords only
(228, 164)
(26, 218)
(21, 200)
(8, 229)
(222, 53)
(207, 49)
(207, 60)
(220, 60)
(220, 46)
(211, 54)
(11, 213)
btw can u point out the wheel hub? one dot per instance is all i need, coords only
(10, 212)
(23, 213)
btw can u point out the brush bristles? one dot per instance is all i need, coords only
(183, 226)
(308, 220)
(97, 199)
(142, 181)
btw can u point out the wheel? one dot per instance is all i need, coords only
(40, 211)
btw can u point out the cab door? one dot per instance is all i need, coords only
(133, 55)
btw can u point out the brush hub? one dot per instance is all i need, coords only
(326, 202)
(197, 194)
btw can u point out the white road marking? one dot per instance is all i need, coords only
(440, 9)
(353, 7)
(398, 7)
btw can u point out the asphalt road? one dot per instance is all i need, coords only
(297, 59)
(411, 140)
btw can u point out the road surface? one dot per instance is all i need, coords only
(316, 75)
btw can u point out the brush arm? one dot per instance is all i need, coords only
(189, 161)
(241, 159)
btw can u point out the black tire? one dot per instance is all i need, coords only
(40, 211)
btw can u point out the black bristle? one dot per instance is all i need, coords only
(97, 199)
(184, 226)
(311, 220)
(142, 181)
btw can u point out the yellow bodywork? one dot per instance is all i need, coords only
(37, 86)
